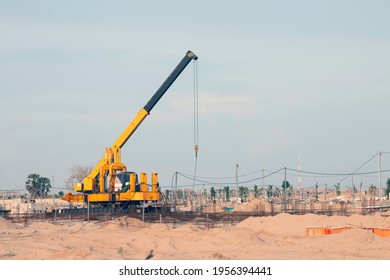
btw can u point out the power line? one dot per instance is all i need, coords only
(233, 177)
(355, 170)
(228, 183)
(336, 174)
(206, 180)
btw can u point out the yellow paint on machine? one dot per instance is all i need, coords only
(114, 197)
(110, 181)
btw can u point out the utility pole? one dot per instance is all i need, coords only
(284, 200)
(380, 179)
(175, 194)
(326, 190)
(353, 192)
(299, 177)
(236, 184)
(263, 185)
(53, 191)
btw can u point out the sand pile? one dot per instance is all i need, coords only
(125, 223)
(253, 205)
(5, 225)
(279, 237)
(281, 224)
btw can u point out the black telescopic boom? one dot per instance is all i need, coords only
(169, 81)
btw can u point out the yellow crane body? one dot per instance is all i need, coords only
(110, 182)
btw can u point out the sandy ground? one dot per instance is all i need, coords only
(281, 237)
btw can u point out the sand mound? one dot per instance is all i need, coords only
(5, 224)
(279, 237)
(82, 227)
(250, 222)
(125, 223)
(355, 238)
(360, 235)
(282, 224)
(353, 221)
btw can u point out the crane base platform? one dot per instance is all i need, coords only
(114, 198)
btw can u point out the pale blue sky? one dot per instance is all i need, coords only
(277, 80)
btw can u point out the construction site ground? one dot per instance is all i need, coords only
(252, 233)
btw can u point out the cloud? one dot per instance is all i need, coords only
(237, 106)
(210, 105)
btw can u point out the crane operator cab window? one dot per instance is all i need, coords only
(127, 181)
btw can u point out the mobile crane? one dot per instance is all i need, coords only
(109, 182)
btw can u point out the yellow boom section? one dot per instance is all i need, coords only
(126, 134)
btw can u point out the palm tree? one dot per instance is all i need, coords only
(227, 193)
(372, 190)
(212, 194)
(269, 191)
(37, 186)
(387, 190)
